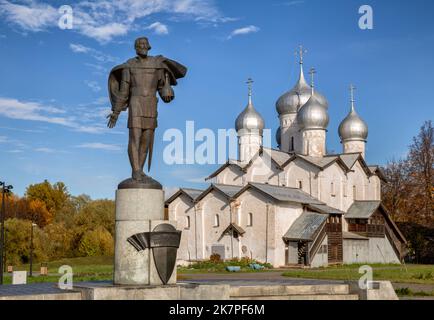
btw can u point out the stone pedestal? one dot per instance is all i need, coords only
(137, 211)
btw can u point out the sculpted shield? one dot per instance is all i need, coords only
(164, 241)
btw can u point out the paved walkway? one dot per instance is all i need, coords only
(30, 289)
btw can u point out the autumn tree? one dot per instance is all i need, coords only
(18, 233)
(54, 196)
(409, 194)
(421, 178)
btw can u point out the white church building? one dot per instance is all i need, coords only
(296, 205)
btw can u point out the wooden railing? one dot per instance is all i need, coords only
(395, 242)
(313, 249)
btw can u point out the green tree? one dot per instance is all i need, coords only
(58, 241)
(98, 242)
(18, 234)
(54, 196)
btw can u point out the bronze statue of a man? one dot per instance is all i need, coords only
(133, 86)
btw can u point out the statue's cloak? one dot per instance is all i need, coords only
(174, 69)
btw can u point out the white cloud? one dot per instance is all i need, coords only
(104, 20)
(105, 33)
(243, 31)
(100, 146)
(35, 111)
(293, 3)
(93, 85)
(3, 139)
(30, 16)
(79, 48)
(96, 54)
(15, 151)
(45, 150)
(159, 28)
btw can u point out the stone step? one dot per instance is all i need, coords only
(282, 290)
(303, 297)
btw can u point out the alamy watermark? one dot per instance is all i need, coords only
(66, 20)
(66, 280)
(205, 146)
(366, 21)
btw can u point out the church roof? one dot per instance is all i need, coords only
(284, 194)
(349, 159)
(323, 208)
(225, 189)
(189, 192)
(228, 163)
(306, 226)
(362, 209)
(229, 190)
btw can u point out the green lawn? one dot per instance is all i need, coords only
(412, 273)
(84, 269)
(101, 268)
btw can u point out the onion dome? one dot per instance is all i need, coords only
(249, 119)
(278, 136)
(353, 128)
(313, 115)
(294, 99)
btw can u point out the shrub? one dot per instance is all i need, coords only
(98, 242)
(215, 257)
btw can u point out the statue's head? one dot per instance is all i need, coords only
(142, 46)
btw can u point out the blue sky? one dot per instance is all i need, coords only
(53, 96)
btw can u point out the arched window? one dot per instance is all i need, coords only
(250, 219)
(292, 144)
(332, 189)
(187, 222)
(300, 184)
(216, 220)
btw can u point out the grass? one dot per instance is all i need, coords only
(422, 274)
(101, 268)
(84, 269)
(402, 292)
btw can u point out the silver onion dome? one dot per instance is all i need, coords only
(292, 100)
(278, 136)
(313, 115)
(353, 128)
(249, 119)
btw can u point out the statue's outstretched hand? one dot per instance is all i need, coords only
(113, 118)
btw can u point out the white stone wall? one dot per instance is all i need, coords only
(332, 180)
(314, 142)
(354, 146)
(292, 252)
(212, 204)
(299, 170)
(262, 170)
(254, 240)
(181, 208)
(249, 143)
(286, 214)
(374, 250)
(289, 128)
(355, 251)
(321, 258)
(381, 251)
(231, 175)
